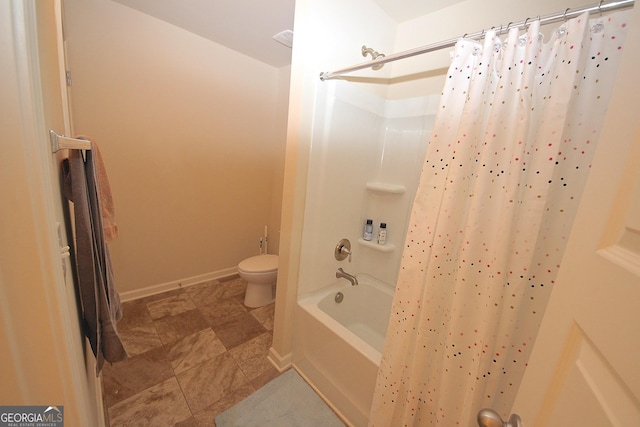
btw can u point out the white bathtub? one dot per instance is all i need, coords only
(338, 345)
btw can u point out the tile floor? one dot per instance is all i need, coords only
(194, 353)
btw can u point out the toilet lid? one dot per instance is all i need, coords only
(260, 263)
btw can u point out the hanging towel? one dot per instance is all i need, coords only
(101, 307)
(104, 193)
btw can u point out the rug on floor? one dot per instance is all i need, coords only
(285, 401)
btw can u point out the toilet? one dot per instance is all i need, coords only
(260, 272)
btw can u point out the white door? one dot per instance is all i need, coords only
(585, 366)
(55, 104)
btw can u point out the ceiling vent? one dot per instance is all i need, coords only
(285, 38)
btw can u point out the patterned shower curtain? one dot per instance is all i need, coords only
(506, 164)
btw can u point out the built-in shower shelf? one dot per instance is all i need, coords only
(389, 247)
(384, 188)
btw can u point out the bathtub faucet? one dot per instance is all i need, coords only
(341, 273)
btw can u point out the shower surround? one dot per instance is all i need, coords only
(365, 161)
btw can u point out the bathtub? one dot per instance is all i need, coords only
(339, 345)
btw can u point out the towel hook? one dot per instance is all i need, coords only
(61, 142)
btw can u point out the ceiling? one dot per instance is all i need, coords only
(248, 26)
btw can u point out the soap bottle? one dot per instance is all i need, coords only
(382, 233)
(368, 230)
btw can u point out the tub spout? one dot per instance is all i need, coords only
(343, 274)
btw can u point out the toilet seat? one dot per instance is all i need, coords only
(259, 264)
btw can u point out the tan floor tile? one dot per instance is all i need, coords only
(268, 375)
(124, 379)
(160, 405)
(243, 329)
(223, 313)
(191, 422)
(206, 417)
(252, 355)
(265, 315)
(210, 381)
(197, 351)
(173, 328)
(134, 314)
(194, 349)
(234, 287)
(136, 328)
(216, 291)
(204, 293)
(240, 299)
(170, 306)
(140, 339)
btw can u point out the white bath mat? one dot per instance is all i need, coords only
(287, 401)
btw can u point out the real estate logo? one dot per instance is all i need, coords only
(31, 416)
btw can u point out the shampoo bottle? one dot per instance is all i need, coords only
(368, 230)
(382, 233)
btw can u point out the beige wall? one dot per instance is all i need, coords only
(192, 134)
(328, 35)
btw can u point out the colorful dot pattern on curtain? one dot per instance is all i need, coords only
(506, 164)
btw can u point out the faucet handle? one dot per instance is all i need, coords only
(343, 250)
(346, 251)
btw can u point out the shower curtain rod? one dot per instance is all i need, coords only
(547, 19)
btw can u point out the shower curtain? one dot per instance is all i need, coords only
(505, 167)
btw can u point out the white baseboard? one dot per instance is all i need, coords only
(177, 284)
(281, 363)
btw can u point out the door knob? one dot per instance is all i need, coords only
(490, 418)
